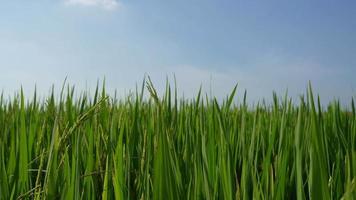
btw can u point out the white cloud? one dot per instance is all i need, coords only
(105, 4)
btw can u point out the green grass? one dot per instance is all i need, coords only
(99, 147)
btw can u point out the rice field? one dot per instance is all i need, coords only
(164, 147)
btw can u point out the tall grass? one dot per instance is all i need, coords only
(168, 148)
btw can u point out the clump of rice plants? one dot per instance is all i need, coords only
(162, 147)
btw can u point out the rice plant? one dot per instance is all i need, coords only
(165, 147)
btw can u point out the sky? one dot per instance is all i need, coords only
(262, 46)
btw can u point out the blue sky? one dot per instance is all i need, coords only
(261, 45)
